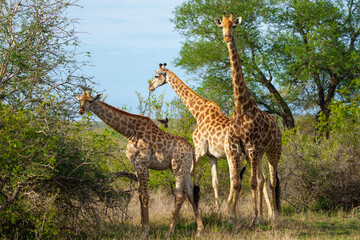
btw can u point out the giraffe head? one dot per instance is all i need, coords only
(86, 100)
(160, 77)
(227, 25)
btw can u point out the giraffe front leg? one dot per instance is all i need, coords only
(235, 189)
(260, 188)
(234, 161)
(143, 177)
(253, 186)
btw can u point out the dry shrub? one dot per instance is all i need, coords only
(321, 174)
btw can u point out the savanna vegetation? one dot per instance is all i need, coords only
(67, 177)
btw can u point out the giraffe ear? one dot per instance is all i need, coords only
(237, 21)
(217, 21)
(97, 98)
(77, 97)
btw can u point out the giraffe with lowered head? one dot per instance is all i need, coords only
(149, 147)
(210, 135)
(257, 130)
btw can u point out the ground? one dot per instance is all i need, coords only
(305, 225)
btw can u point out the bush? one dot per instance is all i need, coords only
(54, 178)
(323, 174)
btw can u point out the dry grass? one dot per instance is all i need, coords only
(339, 225)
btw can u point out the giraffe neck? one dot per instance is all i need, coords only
(192, 100)
(242, 96)
(121, 121)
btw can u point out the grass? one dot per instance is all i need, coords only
(306, 225)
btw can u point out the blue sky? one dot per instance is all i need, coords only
(127, 40)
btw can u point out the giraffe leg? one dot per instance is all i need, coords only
(267, 198)
(234, 160)
(180, 197)
(260, 186)
(190, 191)
(253, 186)
(273, 158)
(215, 182)
(275, 189)
(143, 177)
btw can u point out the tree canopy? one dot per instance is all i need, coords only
(39, 53)
(295, 54)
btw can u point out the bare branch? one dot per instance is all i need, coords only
(11, 199)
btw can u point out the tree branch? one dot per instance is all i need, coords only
(11, 199)
(123, 174)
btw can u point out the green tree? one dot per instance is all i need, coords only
(295, 54)
(205, 53)
(317, 44)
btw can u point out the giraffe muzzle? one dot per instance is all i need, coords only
(227, 38)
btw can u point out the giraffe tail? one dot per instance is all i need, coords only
(196, 192)
(196, 188)
(242, 172)
(277, 193)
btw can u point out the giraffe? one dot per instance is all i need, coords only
(149, 147)
(257, 130)
(210, 135)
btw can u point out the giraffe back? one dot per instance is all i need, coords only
(157, 149)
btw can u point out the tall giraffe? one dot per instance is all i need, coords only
(258, 130)
(210, 135)
(149, 147)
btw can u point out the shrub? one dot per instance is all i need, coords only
(324, 173)
(54, 177)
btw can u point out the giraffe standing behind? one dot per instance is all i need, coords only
(210, 136)
(149, 147)
(258, 130)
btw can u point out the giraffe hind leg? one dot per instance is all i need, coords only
(144, 201)
(275, 188)
(180, 197)
(193, 195)
(267, 198)
(215, 182)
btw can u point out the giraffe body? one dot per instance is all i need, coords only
(149, 147)
(257, 130)
(210, 136)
